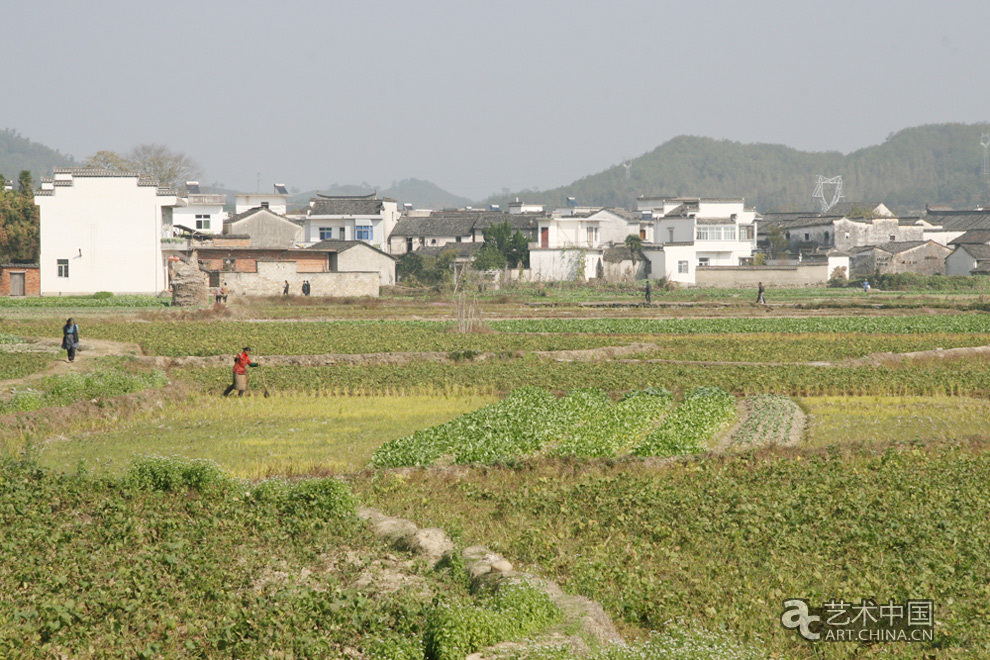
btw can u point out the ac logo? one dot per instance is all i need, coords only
(796, 615)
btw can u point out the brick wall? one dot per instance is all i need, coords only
(32, 279)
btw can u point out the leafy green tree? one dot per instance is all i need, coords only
(502, 248)
(25, 182)
(19, 223)
(410, 266)
(635, 245)
(776, 242)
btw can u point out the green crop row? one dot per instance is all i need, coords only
(519, 424)
(63, 389)
(73, 302)
(952, 377)
(179, 338)
(951, 323)
(693, 423)
(18, 365)
(617, 427)
(585, 423)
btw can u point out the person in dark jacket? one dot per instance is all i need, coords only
(649, 292)
(759, 295)
(241, 362)
(306, 288)
(70, 338)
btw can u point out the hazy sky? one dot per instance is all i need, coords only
(477, 96)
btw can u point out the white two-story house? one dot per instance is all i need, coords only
(367, 218)
(571, 244)
(689, 232)
(199, 211)
(102, 231)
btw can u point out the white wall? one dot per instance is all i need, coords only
(247, 201)
(109, 229)
(186, 216)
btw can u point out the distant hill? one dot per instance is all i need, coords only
(935, 164)
(19, 153)
(421, 194)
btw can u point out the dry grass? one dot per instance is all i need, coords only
(256, 437)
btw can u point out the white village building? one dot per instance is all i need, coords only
(102, 231)
(198, 211)
(692, 232)
(571, 244)
(365, 218)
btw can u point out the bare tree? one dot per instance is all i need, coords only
(169, 168)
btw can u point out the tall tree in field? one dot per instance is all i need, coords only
(169, 168)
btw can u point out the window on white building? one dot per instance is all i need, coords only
(202, 221)
(682, 267)
(326, 233)
(592, 236)
(63, 267)
(363, 233)
(702, 261)
(715, 232)
(670, 234)
(342, 234)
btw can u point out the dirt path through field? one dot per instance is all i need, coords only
(89, 350)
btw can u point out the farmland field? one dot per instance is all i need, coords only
(868, 419)
(547, 459)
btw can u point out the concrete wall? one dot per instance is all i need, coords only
(361, 258)
(267, 230)
(750, 276)
(271, 276)
(624, 271)
(32, 279)
(563, 265)
(959, 262)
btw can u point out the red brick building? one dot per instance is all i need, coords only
(20, 280)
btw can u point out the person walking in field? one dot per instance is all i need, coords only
(70, 338)
(649, 292)
(759, 295)
(306, 288)
(217, 296)
(285, 290)
(223, 293)
(866, 286)
(241, 362)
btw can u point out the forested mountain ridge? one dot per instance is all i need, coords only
(934, 164)
(19, 153)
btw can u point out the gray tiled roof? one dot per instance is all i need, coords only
(895, 247)
(462, 223)
(369, 204)
(464, 250)
(342, 246)
(981, 236)
(959, 220)
(977, 251)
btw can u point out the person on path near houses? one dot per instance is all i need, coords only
(305, 287)
(223, 293)
(759, 295)
(866, 286)
(285, 290)
(241, 362)
(70, 338)
(649, 297)
(217, 296)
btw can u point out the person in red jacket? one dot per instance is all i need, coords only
(241, 362)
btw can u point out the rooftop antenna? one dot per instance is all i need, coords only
(819, 193)
(985, 167)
